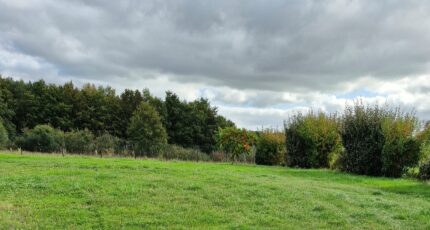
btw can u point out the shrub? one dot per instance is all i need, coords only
(235, 141)
(401, 149)
(363, 139)
(424, 135)
(179, 153)
(270, 148)
(424, 165)
(106, 144)
(81, 141)
(378, 141)
(312, 140)
(43, 138)
(3, 136)
(219, 156)
(424, 139)
(412, 172)
(146, 132)
(424, 172)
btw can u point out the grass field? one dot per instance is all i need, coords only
(73, 192)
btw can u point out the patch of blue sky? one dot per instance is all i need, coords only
(358, 93)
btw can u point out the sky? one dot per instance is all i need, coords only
(258, 61)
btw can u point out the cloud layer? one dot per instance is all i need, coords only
(257, 60)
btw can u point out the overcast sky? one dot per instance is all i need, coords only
(258, 61)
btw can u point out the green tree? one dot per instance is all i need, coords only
(157, 103)
(3, 136)
(146, 132)
(129, 101)
(179, 121)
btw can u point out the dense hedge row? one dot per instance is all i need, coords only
(367, 140)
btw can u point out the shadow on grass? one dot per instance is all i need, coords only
(421, 190)
(409, 187)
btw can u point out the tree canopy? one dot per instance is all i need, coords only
(101, 110)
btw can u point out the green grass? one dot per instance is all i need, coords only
(73, 192)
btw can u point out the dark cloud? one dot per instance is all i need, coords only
(275, 45)
(253, 54)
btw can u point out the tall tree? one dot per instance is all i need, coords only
(130, 100)
(146, 132)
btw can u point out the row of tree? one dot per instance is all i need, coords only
(23, 105)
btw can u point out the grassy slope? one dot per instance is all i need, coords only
(86, 192)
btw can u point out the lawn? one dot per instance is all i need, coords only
(75, 192)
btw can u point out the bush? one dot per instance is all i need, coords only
(3, 136)
(424, 165)
(378, 141)
(270, 148)
(363, 139)
(43, 138)
(424, 172)
(235, 142)
(312, 140)
(106, 144)
(81, 142)
(424, 135)
(219, 156)
(186, 154)
(401, 149)
(146, 132)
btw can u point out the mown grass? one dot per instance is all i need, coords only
(75, 192)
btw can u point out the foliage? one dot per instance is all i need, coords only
(424, 171)
(378, 141)
(270, 148)
(106, 144)
(424, 134)
(4, 139)
(235, 141)
(179, 153)
(193, 124)
(424, 138)
(312, 140)
(146, 132)
(43, 138)
(363, 139)
(81, 141)
(23, 105)
(424, 165)
(401, 149)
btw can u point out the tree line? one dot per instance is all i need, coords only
(364, 139)
(100, 110)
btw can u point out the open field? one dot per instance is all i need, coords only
(78, 192)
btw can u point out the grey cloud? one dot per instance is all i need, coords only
(270, 45)
(259, 61)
